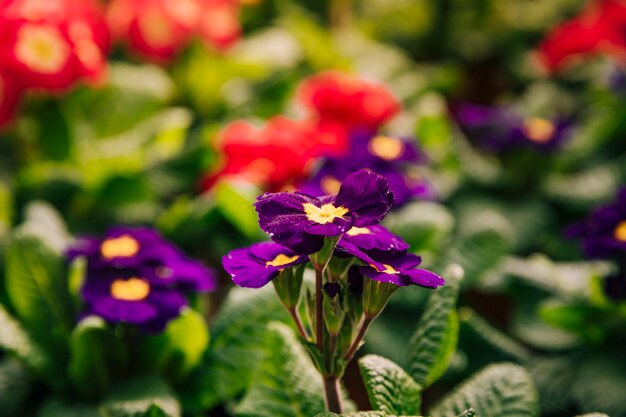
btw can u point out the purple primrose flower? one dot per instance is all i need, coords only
(603, 233)
(499, 128)
(300, 222)
(257, 265)
(400, 268)
(134, 276)
(391, 157)
(358, 241)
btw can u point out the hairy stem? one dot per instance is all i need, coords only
(319, 310)
(295, 316)
(355, 344)
(331, 394)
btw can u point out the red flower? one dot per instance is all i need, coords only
(10, 94)
(600, 28)
(160, 29)
(273, 157)
(51, 44)
(335, 97)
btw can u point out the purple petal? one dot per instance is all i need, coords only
(367, 196)
(424, 278)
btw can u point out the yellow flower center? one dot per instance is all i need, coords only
(620, 231)
(386, 147)
(539, 130)
(281, 260)
(124, 246)
(132, 289)
(330, 184)
(388, 269)
(41, 48)
(156, 28)
(325, 214)
(355, 231)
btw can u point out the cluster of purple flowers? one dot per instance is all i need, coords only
(298, 225)
(134, 276)
(499, 129)
(603, 236)
(394, 158)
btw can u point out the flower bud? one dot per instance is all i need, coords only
(288, 284)
(333, 311)
(376, 294)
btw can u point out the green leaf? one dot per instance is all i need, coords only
(287, 383)
(56, 407)
(423, 224)
(147, 396)
(179, 349)
(434, 342)
(356, 414)
(500, 390)
(15, 385)
(490, 337)
(235, 203)
(97, 357)
(601, 382)
(44, 222)
(389, 388)
(37, 288)
(237, 337)
(467, 413)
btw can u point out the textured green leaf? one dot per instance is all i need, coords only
(147, 396)
(498, 341)
(237, 337)
(286, 383)
(500, 390)
(389, 388)
(15, 385)
(97, 357)
(180, 347)
(61, 408)
(434, 342)
(37, 289)
(235, 203)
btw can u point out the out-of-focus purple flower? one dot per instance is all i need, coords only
(144, 250)
(499, 129)
(255, 266)
(603, 233)
(125, 296)
(301, 222)
(400, 268)
(391, 157)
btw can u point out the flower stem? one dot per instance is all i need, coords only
(319, 311)
(296, 319)
(331, 393)
(355, 344)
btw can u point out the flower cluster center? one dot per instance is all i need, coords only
(281, 260)
(539, 130)
(133, 289)
(42, 49)
(124, 246)
(324, 214)
(386, 147)
(620, 231)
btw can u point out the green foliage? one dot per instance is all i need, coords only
(500, 390)
(435, 339)
(179, 349)
(235, 203)
(97, 357)
(15, 385)
(355, 414)
(56, 407)
(237, 337)
(147, 396)
(286, 382)
(389, 388)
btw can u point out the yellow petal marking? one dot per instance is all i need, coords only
(124, 246)
(539, 130)
(133, 289)
(386, 147)
(620, 231)
(325, 214)
(281, 260)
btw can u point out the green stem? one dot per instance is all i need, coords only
(319, 310)
(296, 319)
(355, 344)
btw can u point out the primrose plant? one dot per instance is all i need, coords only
(358, 265)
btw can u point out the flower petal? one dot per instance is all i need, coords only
(367, 196)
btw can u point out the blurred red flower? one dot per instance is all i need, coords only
(283, 152)
(10, 93)
(52, 44)
(160, 29)
(600, 28)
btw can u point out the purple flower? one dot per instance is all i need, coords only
(388, 156)
(125, 296)
(603, 233)
(146, 251)
(257, 265)
(300, 222)
(499, 129)
(400, 268)
(359, 241)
